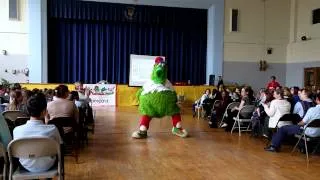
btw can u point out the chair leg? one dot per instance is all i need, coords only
(222, 119)
(4, 171)
(296, 145)
(234, 124)
(198, 112)
(248, 126)
(239, 128)
(306, 148)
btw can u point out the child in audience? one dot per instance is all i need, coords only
(199, 102)
(36, 106)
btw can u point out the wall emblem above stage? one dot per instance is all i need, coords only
(130, 13)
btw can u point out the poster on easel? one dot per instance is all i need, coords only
(102, 94)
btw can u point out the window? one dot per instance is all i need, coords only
(14, 9)
(316, 16)
(234, 20)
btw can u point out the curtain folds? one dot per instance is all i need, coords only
(91, 41)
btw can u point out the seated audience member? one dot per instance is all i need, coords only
(288, 96)
(302, 106)
(312, 114)
(273, 84)
(84, 93)
(200, 102)
(26, 94)
(221, 88)
(295, 94)
(2, 90)
(259, 118)
(225, 101)
(286, 93)
(74, 97)
(36, 106)
(16, 86)
(16, 103)
(246, 99)
(84, 100)
(49, 95)
(278, 108)
(5, 136)
(61, 107)
(235, 95)
(208, 103)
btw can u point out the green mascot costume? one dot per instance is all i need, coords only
(157, 99)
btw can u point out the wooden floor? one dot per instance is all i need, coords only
(206, 154)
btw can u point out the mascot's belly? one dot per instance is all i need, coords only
(159, 104)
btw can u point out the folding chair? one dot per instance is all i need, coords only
(20, 121)
(82, 127)
(91, 125)
(216, 103)
(289, 118)
(313, 124)
(199, 110)
(3, 155)
(34, 147)
(68, 129)
(225, 114)
(10, 117)
(243, 116)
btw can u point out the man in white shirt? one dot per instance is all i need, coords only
(35, 127)
(312, 114)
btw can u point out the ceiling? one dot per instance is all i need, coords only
(200, 4)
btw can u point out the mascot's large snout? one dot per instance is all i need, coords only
(160, 72)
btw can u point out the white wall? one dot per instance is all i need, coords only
(304, 51)
(13, 39)
(257, 30)
(302, 54)
(261, 26)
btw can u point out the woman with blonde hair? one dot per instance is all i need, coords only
(16, 103)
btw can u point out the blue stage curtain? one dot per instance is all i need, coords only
(91, 41)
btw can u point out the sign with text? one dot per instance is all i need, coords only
(102, 94)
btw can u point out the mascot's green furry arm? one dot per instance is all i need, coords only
(157, 99)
